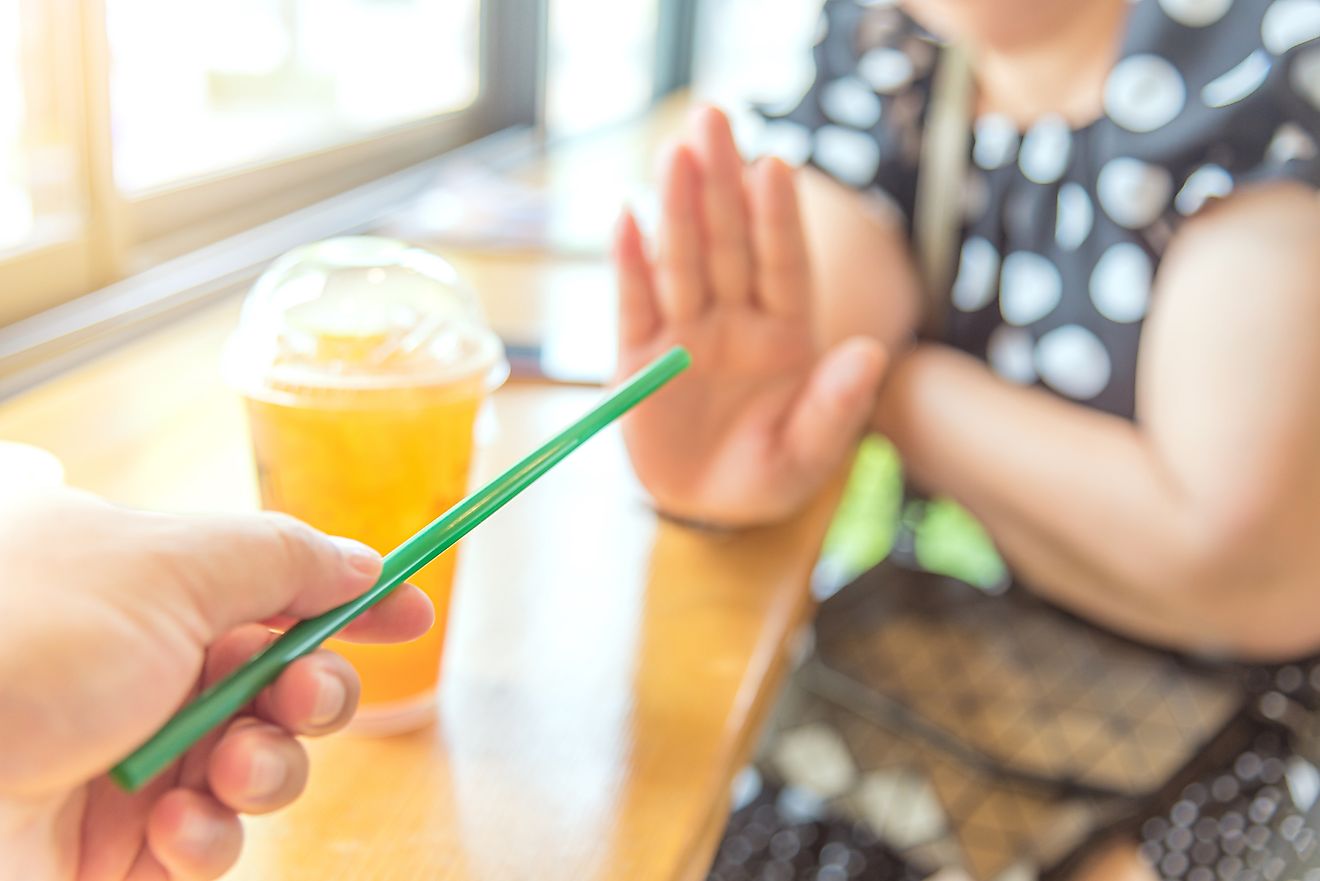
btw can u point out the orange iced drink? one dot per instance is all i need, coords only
(362, 422)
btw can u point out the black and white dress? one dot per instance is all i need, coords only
(1063, 231)
(1065, 227)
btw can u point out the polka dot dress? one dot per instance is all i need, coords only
(1063, 231)
(1064, 227)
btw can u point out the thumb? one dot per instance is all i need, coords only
(836, 402)
(236, 569)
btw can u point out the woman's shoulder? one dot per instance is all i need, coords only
(1218, 94)
(861, 117)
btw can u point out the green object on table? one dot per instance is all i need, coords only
(950, 541)
(226, 697)
(862, 532)
(943, 536)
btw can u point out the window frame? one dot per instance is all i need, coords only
(122, 234)
(675, 49)
(39, 273)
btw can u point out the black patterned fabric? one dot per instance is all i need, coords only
(1000, 742)
(1252, 818)
(1065, 227)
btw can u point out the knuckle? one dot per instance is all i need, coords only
(292, 540)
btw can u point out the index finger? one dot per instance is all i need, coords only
(724, 208)
(680, 262)
(783, 274)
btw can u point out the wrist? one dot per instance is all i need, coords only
(696, 523)
(892, 399)
(718, 520)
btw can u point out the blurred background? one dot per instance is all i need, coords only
(141, 135)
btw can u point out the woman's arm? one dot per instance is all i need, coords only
(863, 278)
(1199, 525)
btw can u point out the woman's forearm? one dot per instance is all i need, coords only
(1196, 524)
(1076, 499)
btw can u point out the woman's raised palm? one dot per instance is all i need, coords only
(763, 417)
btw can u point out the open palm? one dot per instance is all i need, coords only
(763, 417)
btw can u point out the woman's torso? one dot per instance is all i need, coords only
(1063, 228)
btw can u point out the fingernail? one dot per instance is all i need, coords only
(197, 833)
(330, 698)
(848, 376)
(266, 774)
(844, 375)
(358, 555)
(621, 227)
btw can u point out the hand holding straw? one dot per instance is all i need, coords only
(225, 698)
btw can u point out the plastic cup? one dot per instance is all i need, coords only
(364, 363)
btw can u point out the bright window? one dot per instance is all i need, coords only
(38, 165)
(132, 131)
(601, 64)
(245, 81)
(755, 50)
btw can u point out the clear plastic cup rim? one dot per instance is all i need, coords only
(256, 378)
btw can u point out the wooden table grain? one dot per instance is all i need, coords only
(605, 673)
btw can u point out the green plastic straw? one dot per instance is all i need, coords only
(226, 697)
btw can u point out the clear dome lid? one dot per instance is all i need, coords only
(360, 313)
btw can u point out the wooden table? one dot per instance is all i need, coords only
(605, 673)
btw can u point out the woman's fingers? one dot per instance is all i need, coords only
(783, 272)
(728, 246)
(680, 264)
(315, 695)
(639, 316)
(257, 767)
(837, 401)
(193, 836)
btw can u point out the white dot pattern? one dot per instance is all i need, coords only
(995, 141)
(1291, 143)
(978, 268)
(886, 70)
(1144, 93)
(1010, 352)
(1132, 192)
(1075, 216)
(1063, 230)
(1072, 360)
(1030, 288)
(1306, 76)
(1290, 23)
(1206, 183)
(1120, 283)
(822, 30)
(1196, 13)
(849, 101)
(1045, 150)
(849, 155)
(1064, 225)
(1238, 83)
(787, 140)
